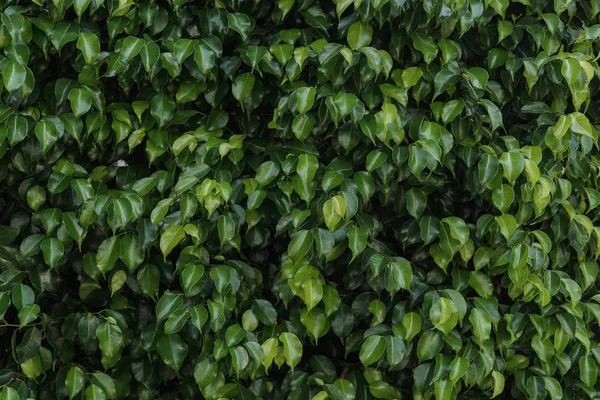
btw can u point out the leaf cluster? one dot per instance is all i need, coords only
(299, 199)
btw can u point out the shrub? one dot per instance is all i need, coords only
(366, 199)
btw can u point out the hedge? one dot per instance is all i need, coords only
(299, 199)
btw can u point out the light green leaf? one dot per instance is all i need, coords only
(513, 165)
(28, 313)
(305, 98)
(371, 350)
(170, 238)
(482, 325)
(425, 45)
(307, 167)
(292, 349)
(360, 34)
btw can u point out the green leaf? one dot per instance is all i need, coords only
(80, 6)
(305, 98)
(226, 229)
(488, 168)
(482, 325)
(81, 101)
(131, 47)
(580, 124)
(239, 359)
(242, 86)
(554, 388)
(444, 80)
(88, 43)
(357, 240)
(324, 241)
(513, 165)
(205, 372)
(371, 350)
(429, 345)
(4, 303)
(150, 54)
(240, 23)
(110, 338)
(30, 345)
(117, 281)
(312, 293)
(170, 238)
(13, 76)
(162, 108)
(234, 335)
(416, 201)
(292, 349)
(411, 76)
(28, 313)
(443, 389)
(36, 196)
(46, 133)
(264, 311)
(74, 381)
(172, 350)
(221, 277)
(444, 315)
(300, 244)
(365, 184)
(108, 254)
(204, 58)
(270, 350)
(9, 393)
(266, 173)
(359, 35)
(458, 368)
(395, 350)
(190, 276)
(425, 45)
(198, 316)
(412, 323)
(503, 197)
(105, 383)
(189, 91)
(588, 371)
(375, 159)
(131, 253)
(499, 6)
(482, 284)
(507, 224)
(94, 392)
(517, 268)
(22, 295)
(168, 303)
(307, 167)
(53, 250)
(398, 275)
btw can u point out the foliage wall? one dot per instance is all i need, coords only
(299, 199)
